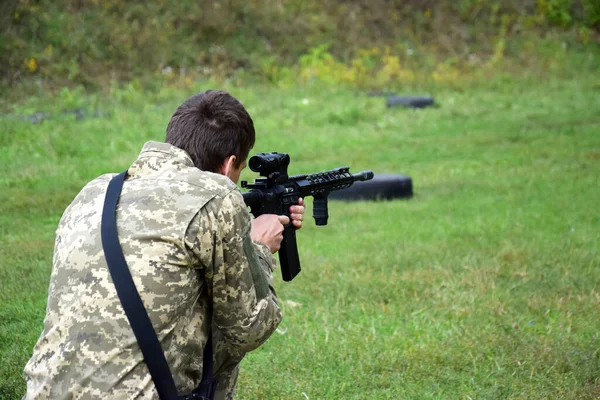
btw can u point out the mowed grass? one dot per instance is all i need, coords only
(484, 285)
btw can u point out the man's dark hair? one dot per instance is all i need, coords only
(210, 127)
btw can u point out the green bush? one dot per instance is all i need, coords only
(91, 41)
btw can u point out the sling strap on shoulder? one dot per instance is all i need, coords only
(136, 312)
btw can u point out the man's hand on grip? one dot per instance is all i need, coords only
(268, 229)
(297, 213)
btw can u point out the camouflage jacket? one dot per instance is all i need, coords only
(185, 234)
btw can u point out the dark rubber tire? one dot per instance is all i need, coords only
(410, 101)
(381, 187)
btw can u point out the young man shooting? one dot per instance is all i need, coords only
(201, 265)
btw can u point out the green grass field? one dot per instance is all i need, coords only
(485, 285)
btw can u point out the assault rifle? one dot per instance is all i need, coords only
(276, 192)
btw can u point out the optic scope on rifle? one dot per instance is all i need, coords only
(276, 192)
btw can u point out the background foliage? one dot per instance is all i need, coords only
(91, 41)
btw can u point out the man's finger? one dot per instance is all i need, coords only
(297, 217)
(297, 209)
(284, 220)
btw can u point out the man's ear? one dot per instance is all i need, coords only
(228, 166)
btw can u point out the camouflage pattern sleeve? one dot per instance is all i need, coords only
(228, 357)
(268, 261)
(245, 308)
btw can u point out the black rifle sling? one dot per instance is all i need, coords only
(134, 307)
(208, 385)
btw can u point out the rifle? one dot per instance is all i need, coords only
(276, 192)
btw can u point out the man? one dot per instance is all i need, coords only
(199, 262)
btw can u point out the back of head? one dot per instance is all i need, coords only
(211, 126)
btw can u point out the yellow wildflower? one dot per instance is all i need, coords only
(31, 64)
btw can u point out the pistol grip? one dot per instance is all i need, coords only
(288, 254)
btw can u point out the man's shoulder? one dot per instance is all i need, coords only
(94, 188)
(209, 182)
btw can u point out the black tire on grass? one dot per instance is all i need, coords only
(381, 187)
(410, 101)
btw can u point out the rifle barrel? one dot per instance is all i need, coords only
(366, 175)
